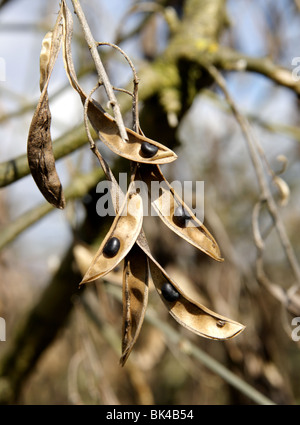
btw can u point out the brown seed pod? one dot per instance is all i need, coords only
(40, 155)
(125, 228)
(190, 314)
(167, 204)
(104, 124)
(135, 298)
(134, 149)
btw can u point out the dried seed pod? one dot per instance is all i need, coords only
(45, 58)
(103, 123)
(137, 148)
(135, 298)
(167, 204)
(40, 155)
(190, 314)
(125, 228)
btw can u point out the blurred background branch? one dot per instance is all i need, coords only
(4, 2)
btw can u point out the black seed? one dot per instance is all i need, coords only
(181, 216)
(169, 292)
(111, 247)
(148, 150)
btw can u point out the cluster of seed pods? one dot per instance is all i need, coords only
(125, 239)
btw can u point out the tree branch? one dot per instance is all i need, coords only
(103, 78)
(78, 188)
(255, 152)
(231, 60)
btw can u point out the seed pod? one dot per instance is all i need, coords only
(111, 247)
(45, 58)
(108, 133)
(120, 238)
(190, 314)
(103, 123)
(40, 155)
(135, 298)
(167, 204)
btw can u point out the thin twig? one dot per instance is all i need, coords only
(100, 385)
(194, 351)
(290, 131)
(254, 150)
(233, 60)
(150, 8)
(116, 192)
(134, 94)
(136, 126)
(103, 78)
(255, 227)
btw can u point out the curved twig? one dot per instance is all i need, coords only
(254, 150)
(134, 94)
(100, 69)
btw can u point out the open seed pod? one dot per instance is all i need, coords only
(138, 148)
(120, 238)
(176, 214)
(190, 314)
(135, 298)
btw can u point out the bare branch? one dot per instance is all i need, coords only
(78, 188)
(136, 126)
(103, 78)
(254, 150)
(194, 351)
(232, 60)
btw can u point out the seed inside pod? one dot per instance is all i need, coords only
(111, 247)
(181, 216)
(169, 292)
(220, 323)
(148, 150)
